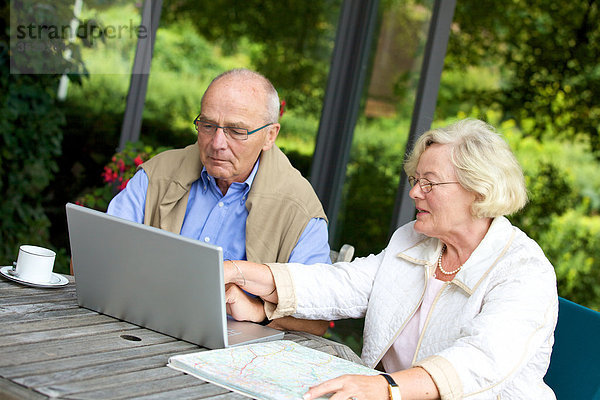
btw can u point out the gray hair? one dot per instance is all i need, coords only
(272, 98)
(484, 165)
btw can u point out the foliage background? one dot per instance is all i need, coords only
(531, 68)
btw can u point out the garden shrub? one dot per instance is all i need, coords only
(572, 243)
(30, 141)
(31, 121)
(372, 178)
(543, 183)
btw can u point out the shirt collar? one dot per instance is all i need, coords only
(206, 177)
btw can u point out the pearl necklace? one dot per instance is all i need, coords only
(442, 270)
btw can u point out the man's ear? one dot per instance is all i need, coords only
(271, 135)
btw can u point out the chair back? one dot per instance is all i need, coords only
(345, 254)
(574, 371)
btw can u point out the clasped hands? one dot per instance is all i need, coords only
(242, 278)
(241, 305)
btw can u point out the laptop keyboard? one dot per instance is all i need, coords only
(232, 332)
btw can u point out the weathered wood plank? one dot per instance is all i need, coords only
(11, 314)
(100, 371)
(106, 382)
(49, 323)
(50, 335)
(144, 388)
(229, 396)
(95, 359)
(42, 297)
(7, 284)
(35, 352)
(13, 391)
(203, 391)
(24, 309)
(17, 290)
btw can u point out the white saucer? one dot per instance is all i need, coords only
(56, 280)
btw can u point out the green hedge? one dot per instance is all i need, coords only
(572, 243)
(30, 142)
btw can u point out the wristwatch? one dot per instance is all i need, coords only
(393, 388)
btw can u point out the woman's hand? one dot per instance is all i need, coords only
(252, 277)
(360, 387)
(232, 274)
(241, 306)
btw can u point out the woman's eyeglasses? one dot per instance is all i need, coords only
(425, 184)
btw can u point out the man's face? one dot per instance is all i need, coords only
(234, 102)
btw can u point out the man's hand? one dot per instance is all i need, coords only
(316, 327)
(241, 306)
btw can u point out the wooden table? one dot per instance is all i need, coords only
(52, 348)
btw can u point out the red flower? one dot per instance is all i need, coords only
(108, 176)
(138, 161)
(123, 184)
(282, 108)
(121, 165)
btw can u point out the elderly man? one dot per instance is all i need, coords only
(234, 188)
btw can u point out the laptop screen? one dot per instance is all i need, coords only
(150, 277)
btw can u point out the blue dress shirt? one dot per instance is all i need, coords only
(220, 220)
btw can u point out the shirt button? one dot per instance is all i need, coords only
(207, 239)
(221, 204)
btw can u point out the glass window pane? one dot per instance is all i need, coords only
(289, 42)
(383, 126)
(94, 107)
(380, 137)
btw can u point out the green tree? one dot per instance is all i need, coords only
(548, 55)
(291, 40)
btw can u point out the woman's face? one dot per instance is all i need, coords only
(446, 210)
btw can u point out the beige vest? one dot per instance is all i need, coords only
(280, 202)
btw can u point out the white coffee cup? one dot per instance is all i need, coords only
(34, 264)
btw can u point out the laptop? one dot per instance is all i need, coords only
(155, 279)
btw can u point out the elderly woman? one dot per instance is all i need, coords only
(460, 304)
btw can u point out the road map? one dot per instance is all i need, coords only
(270, 370)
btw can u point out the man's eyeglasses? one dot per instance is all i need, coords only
(425, 184)
(208, 128)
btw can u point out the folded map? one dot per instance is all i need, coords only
(274, 370)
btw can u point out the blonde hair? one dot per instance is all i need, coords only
(484, 165)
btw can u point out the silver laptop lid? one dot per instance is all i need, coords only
(148, 276)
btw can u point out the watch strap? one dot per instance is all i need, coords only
(393, 389)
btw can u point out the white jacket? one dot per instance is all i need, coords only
(489, 333)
